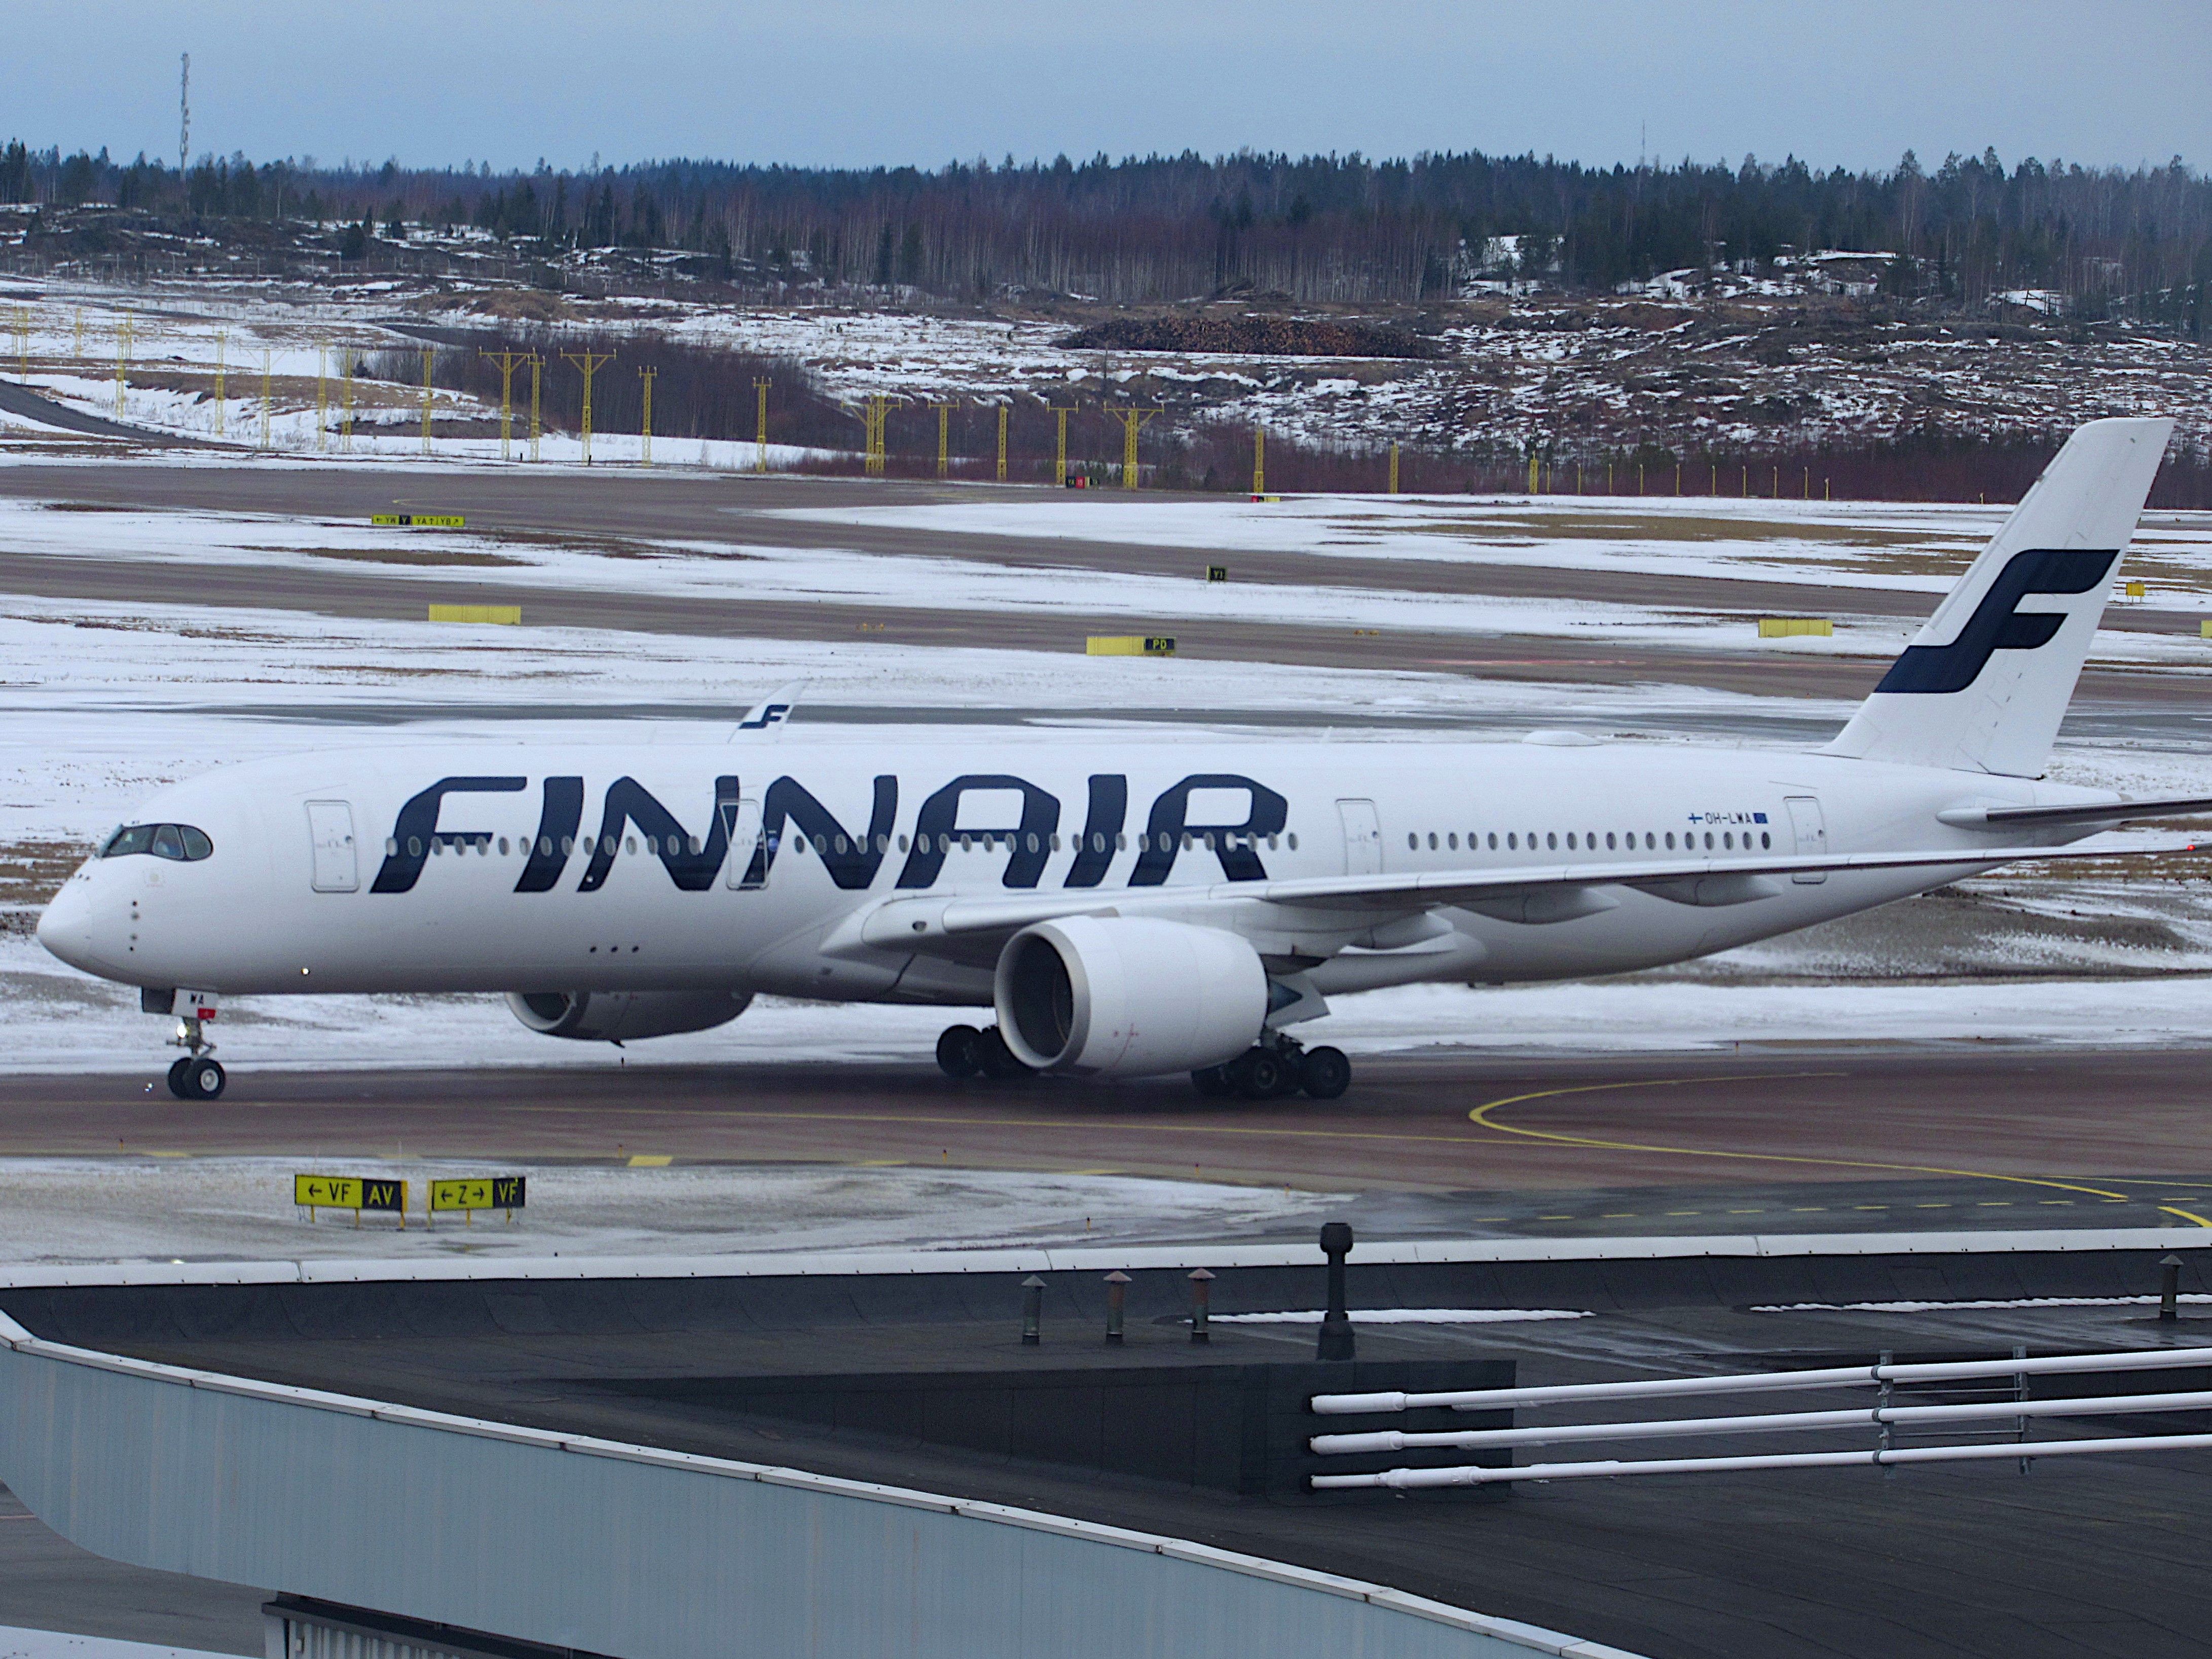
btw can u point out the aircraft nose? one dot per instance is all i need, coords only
(70, 927)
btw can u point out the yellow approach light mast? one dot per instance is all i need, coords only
(590, 362)
(944, 439)
(426, 353)
(122, 359)
(349, 357)
(1132, 421)
(508, 362)
(760, 427)
(645, 432)
(1060, 444)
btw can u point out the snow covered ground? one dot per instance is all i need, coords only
(1917, 547)
(1420, 529)
(167, 1209)
(19, 1642)
(1749, 375)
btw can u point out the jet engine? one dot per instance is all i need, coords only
(1127, 996)
(621, 1016)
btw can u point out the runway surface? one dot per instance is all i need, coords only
(1805, 1141)
(737, 511)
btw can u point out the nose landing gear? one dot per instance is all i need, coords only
(198, 1075)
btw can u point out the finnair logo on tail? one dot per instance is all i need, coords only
(1996, 625)
(770, 714)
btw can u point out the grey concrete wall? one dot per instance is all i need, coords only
(641, 1553)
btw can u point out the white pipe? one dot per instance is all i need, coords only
(1332, 1405)
(1394, 1440)
(1400, 1479)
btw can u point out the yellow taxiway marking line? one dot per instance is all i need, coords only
(650, 1160)
(2187, 1215)
(1481, 1115)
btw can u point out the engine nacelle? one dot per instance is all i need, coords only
(622, 1015)
(1127, 996)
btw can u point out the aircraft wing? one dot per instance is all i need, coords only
(1315, 908)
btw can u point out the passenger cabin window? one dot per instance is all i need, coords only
(179, 841)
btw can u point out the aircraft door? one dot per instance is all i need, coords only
(330, 830)
(745, 825)
(1812, 832)
(1362, 838)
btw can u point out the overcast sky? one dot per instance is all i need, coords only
(868, 81)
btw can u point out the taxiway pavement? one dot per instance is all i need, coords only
(1805, 1139)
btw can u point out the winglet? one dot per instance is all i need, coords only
(770, 715)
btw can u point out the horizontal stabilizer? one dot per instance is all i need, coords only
(2117, 811)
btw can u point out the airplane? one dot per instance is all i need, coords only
(1125, 907)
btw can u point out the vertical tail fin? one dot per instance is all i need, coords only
(1985, 683)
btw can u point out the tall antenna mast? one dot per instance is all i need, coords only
(184, 115)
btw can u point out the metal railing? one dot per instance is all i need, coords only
(1884, 1416)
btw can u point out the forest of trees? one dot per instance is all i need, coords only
(1316, 228)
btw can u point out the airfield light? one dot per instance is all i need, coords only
(645, 432)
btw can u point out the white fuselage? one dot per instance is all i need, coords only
(553, 868)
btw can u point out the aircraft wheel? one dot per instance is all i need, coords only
(177, 1076)
(1259, 1074)
(1212, 1082)
(1324, 1073)
(203, 1079)
(956, 1055)
(994, 1060)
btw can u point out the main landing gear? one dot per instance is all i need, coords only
(1278, 1066)
(963, 1052)
(198, 1075)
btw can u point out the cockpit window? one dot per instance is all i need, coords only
(180, 841)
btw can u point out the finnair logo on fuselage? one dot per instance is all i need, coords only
(1996, 624)
(853, 856)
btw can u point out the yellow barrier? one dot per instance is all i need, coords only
(2135, 590)
(2204, 630)
(509, 614)
(1790, 628)
(417, 521)
(1127, 645)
